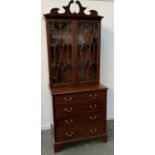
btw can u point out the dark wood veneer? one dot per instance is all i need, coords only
(79, 100)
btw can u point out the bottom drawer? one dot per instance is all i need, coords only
(77, 133)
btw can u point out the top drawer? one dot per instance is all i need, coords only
(96, 96)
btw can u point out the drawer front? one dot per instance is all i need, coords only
(94, 130)
(96, 96)
(70, 134)
(73, 121)
(68, 109)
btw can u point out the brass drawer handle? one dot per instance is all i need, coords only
(93, 97)
(69, 134)
(93, 130)
(69, 121)
(68, 110)
(93, 107)
(93, 118)
(68, 99)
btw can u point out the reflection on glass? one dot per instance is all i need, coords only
(61, 52)
(87, 51)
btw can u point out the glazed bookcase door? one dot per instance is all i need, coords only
(88, 44)
(60, 52)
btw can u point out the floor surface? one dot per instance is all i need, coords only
(86, 147)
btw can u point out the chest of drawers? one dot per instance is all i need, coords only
(79, 113)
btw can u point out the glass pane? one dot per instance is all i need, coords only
(87, 51)
(61, 52)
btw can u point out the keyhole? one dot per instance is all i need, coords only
(74, 8)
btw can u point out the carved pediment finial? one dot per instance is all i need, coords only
(67, 8)
(81, 8)
(54, 12)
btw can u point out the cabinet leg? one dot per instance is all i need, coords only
(104, 139)
(58, 147)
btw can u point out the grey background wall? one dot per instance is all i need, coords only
(104, 8)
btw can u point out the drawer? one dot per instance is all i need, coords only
(68, 109)
(77, 133)
(94, 130)
(96, 96)
(73, 121)
(69, 134)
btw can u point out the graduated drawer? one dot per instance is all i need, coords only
(62, 110)
(95, 96)
(77, 133)
(84, 119)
